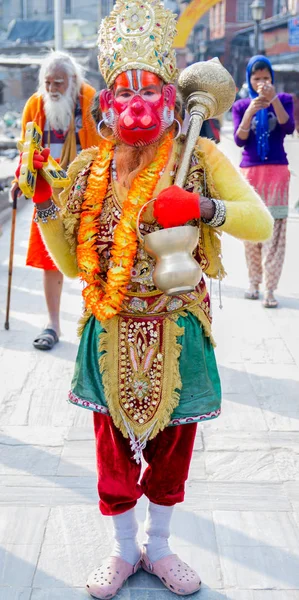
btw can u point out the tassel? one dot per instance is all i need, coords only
(137, 444)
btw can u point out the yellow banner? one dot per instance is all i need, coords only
(188, 19)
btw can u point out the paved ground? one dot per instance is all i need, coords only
(239, 525)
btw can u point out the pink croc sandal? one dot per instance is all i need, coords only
(105, 581)
(176, 575)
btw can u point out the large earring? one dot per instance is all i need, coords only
(179, 131)
(168, 116)
(99, 130)
(109, 117)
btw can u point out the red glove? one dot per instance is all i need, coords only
(38, 160)
(43, 190)
(174, 206)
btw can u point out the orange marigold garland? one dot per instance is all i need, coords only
(87, 255)
(107, 304)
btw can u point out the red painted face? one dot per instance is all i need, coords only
(139, 107)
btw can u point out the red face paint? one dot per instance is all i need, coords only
(138, 100)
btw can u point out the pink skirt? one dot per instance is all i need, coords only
(272, 183)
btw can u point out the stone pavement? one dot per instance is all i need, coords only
(239, 525)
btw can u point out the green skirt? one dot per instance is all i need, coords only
(200, 395)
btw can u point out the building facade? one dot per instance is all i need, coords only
(226, 19)
(20, 58)
(91, 10)
(280, 42)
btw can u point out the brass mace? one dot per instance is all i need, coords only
(207, 89)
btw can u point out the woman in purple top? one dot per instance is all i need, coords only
(261, 123)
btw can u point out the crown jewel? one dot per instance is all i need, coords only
(138, 35)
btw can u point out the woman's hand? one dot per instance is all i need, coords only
(257, 104)
(267, 91)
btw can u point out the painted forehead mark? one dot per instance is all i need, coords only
(135, 80)
(124, 80)
(148, 78)
(134, 77)
(130, 79)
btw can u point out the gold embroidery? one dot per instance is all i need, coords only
(71, 215)
(140, 373)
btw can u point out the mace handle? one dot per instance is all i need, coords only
(200, 106)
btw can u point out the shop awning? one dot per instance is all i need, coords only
(286, 62)
(286, 68)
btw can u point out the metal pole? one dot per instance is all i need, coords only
(24, 9)
(256, 37)
(58, 23)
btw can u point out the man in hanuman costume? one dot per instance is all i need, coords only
(145, 364)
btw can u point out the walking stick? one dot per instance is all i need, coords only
(51, 171)
(12, 243)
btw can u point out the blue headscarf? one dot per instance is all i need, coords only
(262, 122)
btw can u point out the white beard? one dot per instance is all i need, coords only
(59, 111)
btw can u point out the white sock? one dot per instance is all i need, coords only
(125, 542)
(157, 528)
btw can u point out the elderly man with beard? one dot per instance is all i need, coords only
(145, 364)
(61, 108)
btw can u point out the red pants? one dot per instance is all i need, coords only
(168, 456)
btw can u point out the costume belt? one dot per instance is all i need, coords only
(158, 304)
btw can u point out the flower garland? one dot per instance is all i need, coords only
(107, 303)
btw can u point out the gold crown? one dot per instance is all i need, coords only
(138, 35)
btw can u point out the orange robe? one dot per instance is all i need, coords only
(37, 254)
